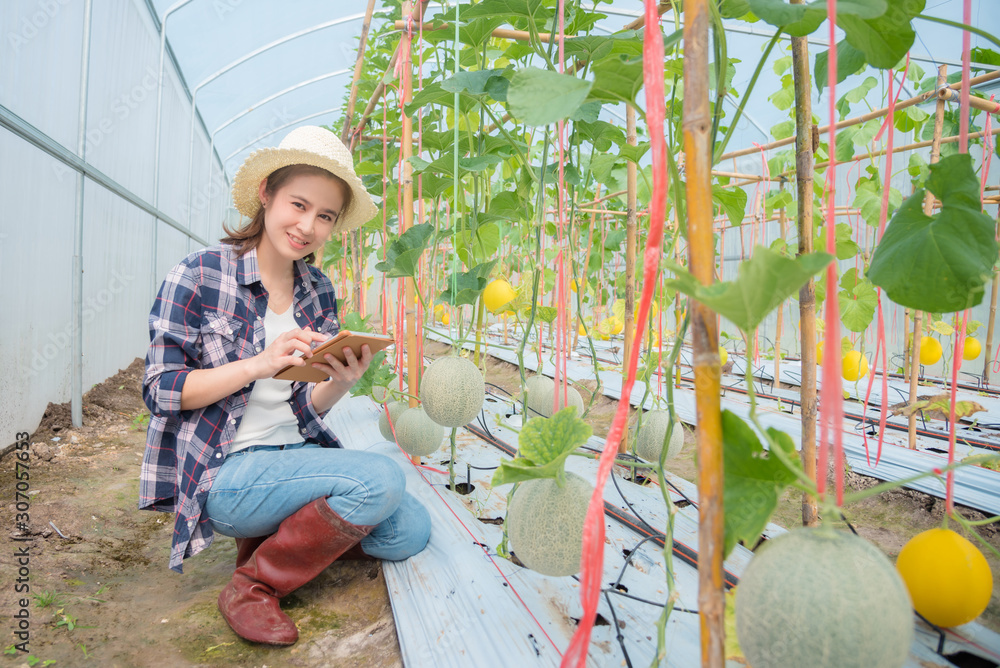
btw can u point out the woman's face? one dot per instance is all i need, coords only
(300, 215)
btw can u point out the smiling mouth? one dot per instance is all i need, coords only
(296, 242)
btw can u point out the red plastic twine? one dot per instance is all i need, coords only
(592, 559)
(880, 342)
(831, 407)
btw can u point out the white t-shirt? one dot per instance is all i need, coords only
(268, 419)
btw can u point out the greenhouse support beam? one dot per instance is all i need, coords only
(417, 16)
(804, 171)
(76, 382)
(279, 129)
(154, 243)
(345, 133)
(697, 127)
(256, 105)
(34, 136)
(236, 63)
(878, 113)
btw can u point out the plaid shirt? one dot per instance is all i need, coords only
(209, 312)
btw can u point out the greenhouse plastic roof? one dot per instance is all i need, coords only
(314, 41)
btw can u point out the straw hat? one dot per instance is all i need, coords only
(307, 145)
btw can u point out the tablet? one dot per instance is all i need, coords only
(334, 346)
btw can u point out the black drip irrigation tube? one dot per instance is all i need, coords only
(684, 552)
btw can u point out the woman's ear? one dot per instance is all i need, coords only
(262, 191)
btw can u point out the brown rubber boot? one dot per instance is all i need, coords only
(305, 544)
(246, 547)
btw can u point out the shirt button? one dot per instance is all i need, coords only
(218, 455)
(257, 348)
(298, 314)
(230, 331)
(232, 420)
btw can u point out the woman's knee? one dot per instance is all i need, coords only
(403, 534)
(380, 485)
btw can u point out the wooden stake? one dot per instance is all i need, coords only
(697, 126)
(987, 361)
(406, 213)
(358, 63)
(630, 244)
(807, 293)
(928, 207)
(776, 383)
(417, 16)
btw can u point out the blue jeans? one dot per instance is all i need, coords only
(254, 491)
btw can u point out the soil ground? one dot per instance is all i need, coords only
(101, 592)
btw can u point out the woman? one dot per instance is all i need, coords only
(229, 448)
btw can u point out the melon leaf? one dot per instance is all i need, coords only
(753, 480)
(539, 97)
(403, 254)
(762, 283)
(543, 446)
(938, 263)
(377, 373)
(465, 287)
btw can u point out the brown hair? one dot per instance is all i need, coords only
(247, 238)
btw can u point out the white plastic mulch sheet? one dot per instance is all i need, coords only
(459, 604)
(975, 486)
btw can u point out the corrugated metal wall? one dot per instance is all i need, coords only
(122, 259)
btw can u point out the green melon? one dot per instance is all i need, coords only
(819, 597)
(396, 409)
(649, 438)
(545, 524)
(540, 390)
(417, 434)
(452, 391)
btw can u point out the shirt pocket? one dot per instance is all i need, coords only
(220, 339)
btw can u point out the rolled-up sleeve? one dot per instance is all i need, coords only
(174, 335)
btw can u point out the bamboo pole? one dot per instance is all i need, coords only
(917, 320)
(500, 33)
(911, 147)
(987, 360)
(878, 113)
(358, 66)
(417, 16)
(752, 178)
(807, 293)
(776, 382)
(697, 127)
(630, 244)
(974, 102)
(406, 214)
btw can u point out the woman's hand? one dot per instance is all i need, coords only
(342, 374)
(281, 352)
(342, 377)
